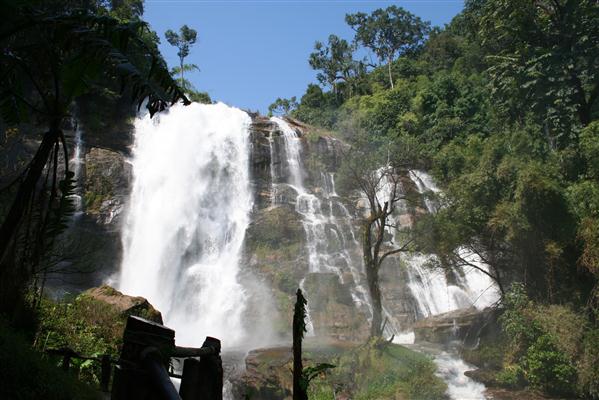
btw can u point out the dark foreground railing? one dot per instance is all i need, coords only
(142, 370)
(105, 362)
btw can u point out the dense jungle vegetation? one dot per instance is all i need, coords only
(502, 106)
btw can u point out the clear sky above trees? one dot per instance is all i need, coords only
(251, 52)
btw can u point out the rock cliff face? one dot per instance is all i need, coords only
(307, 236)
(277, 242)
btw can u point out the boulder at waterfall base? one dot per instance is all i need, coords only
(123, 304)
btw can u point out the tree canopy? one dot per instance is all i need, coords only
(183, 42)
(388, 32)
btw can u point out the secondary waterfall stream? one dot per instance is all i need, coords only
(329, 240)
(188, 214)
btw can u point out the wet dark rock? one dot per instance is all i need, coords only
(465, 325)
(332, 308)
(106, 183)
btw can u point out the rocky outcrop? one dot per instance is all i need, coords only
(95, 237)
(266, 375)
(465, 325)
(275, 257)
(332, 308)
(123, 304)
(106, 185)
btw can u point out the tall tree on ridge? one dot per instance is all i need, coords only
(335, 61)
(388, 32)
(183, 41)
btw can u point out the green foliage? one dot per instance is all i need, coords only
(310, 373)
(379, 370)
(588, 373)
(26, 375)
(511, 376)
(85, 325)
(388, 32)
(336, 64)
(183, 42)
(380, 114)
(282, 106)
(548, 368)
(317, 107)
(199, 97)
(544, 57)
(544, 346)
(589, 147)
(91, 47)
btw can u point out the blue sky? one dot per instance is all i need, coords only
(251, 52)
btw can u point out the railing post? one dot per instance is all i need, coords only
(141, 373)
(106, 372)
(203, 379)
(190, 381)
(66, 362)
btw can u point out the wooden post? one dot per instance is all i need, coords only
(203, 379)
(141, 373)
(106, 372)
(66, 362)
(190, 381)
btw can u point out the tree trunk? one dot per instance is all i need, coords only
(375, 296)
(390, 75)
(182, 84)
(26, 191)
(372, 278)
(299, 392)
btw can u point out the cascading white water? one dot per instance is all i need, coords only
(434, 294)
(328, 237)
(459, 387)
(187, 218)
(75, 164)
(424, 184)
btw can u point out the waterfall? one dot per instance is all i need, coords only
(188, 213)
(75, 163)
(434, 294)
(326, 221)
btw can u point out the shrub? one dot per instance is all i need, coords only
(87, 326)
(544, 346)
(588, 366)
(25, 375)
(546, 367)
(511, 376)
